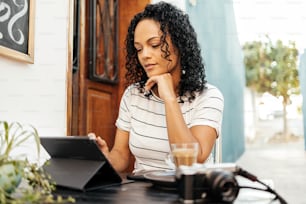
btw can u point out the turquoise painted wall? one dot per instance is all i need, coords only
(214, 22)
(302, 77)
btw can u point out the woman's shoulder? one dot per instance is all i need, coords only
(212, 91)
(211, 88)
(132, 90)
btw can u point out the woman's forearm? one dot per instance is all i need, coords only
(178, 131)
(118, 160)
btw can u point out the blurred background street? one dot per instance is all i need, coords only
(269, 157)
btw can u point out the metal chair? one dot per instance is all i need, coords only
(217, 151)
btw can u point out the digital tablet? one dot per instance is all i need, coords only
(76, 162)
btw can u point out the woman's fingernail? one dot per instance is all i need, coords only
(92, 136)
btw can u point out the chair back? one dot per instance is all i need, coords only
(217, 151)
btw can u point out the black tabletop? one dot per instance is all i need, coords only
(145, 192)
(128, 192)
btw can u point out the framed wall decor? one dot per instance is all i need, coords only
(17, 29)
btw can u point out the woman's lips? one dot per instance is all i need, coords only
(149, 66)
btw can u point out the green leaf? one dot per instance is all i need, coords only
(39, 184)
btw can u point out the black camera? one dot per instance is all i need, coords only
(206, 183)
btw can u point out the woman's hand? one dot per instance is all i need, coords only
(101, 144)
(164, 84)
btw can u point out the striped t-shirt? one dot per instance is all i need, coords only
(145, 120)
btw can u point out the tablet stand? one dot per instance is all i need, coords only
(84, 175)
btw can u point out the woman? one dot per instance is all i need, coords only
(167, 100)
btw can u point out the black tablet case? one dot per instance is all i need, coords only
(76, 162)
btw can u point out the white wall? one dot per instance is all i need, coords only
(36, 93)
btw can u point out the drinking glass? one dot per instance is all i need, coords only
(184, 153)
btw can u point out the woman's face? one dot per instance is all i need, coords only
(148, 45)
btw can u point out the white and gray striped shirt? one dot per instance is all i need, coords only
(146, 121)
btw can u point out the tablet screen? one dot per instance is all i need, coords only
(72, 147)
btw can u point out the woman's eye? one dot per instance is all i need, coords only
(156, 46)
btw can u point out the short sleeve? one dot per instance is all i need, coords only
(208, 109)
(123, 121)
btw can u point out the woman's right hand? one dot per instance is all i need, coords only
(119, 156)
(101, 144)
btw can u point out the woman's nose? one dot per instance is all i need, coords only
(145, 53)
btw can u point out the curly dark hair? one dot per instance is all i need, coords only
(183, 36)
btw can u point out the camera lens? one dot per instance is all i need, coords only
(224, 186)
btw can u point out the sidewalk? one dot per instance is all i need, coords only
(283, 162)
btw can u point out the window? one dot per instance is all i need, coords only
(103, 43)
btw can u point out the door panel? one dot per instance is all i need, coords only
(101, 114)
(98, 79)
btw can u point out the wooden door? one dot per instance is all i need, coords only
(99, 60)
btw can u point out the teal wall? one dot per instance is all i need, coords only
(302, 75)
(214, 22)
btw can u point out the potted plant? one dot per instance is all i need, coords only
(22, 181)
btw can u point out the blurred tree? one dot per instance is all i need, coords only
(272, 67)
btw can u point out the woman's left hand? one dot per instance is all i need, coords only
(164, 84)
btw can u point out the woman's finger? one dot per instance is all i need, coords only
(150, 83)
(102, 145)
